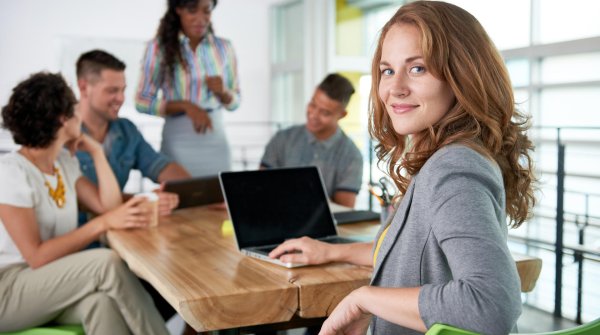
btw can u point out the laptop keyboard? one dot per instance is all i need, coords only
(266, 249)
(331, 239)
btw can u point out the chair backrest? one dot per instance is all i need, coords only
(591, 328)
(529, 268)
(440, 329)
(50, 330)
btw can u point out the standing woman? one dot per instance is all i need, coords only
(443, 112)
(196, 75)
(43, 274)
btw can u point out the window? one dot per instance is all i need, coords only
(507, 21)
(563, 21)
(287, 62)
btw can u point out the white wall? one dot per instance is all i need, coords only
(48, 35)
(32, 31)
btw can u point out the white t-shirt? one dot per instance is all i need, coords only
(22, 184)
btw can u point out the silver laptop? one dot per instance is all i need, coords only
(270, 206)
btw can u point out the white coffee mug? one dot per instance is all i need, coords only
(152, 205)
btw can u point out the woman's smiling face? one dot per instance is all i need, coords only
(414, 99)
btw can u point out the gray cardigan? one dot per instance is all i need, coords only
(449, 237)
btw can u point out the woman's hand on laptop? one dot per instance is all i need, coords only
(304, 250)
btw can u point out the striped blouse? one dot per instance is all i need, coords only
(213, 56)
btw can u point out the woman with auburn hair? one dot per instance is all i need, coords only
(443, 111)
(189, 76)
(44, 274)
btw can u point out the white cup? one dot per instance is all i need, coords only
(152, 204)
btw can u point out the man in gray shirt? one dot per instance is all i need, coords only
(321, 142)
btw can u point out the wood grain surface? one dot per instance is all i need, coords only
(195, 265)
(203, 276)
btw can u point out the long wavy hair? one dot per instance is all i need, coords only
(457, 50)
(168, 36)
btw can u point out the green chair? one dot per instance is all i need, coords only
(51, 330)
(441, 329)
(591, 328)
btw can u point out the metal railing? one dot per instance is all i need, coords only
(581, 220)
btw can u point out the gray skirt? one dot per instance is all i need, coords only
(201, 154)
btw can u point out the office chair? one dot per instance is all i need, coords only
(50, 330)
(591, 328)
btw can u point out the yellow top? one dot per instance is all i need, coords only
(379, 241)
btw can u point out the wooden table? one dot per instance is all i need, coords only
(198, 269)
(212, 286)
(529, 269)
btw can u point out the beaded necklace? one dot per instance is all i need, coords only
(58, 193)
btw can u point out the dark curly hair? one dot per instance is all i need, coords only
(168, 32)
(36, 108)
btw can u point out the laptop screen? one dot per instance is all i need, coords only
(269, 206)
(197, 191)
